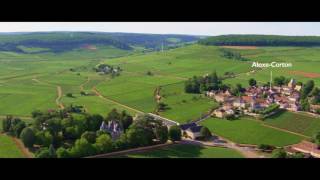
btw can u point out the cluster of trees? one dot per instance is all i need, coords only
(261, 40)
(280, 81)
(78, 135)
(308, 92)
(108, 69)
(13, 126)
(198, 84)
(229, 54)
(281, 153)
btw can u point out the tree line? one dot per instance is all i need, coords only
(261, 40)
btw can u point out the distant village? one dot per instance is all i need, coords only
(256, 100)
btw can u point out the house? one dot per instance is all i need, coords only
(222, 96)
(227, 106)
(210, 94)
(298, 88)
(184, 127)
(248, 99)
(286, 90)
(294, 97)
(239, 103)
(307, 148)
(191, 130)
(293, 107)
(221, 113)
(113, 127)
(194, 132)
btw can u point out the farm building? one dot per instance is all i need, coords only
(194, 132)
(221, 113)
(191, 130)
(306, 147)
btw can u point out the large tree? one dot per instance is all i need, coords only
(104, 143)
(82, 148)
(162, 134)
(252, 82)
(28, 137)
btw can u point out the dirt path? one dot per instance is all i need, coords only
(21, 117)
(82, 85)
(58, 100)
(245, 151)
(22, 148)
(94, 89)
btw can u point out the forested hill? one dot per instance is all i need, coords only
(261, 40)
(64, 41)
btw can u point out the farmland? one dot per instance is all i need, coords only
(41, 79)
(249, 131)
(299, 123)
(188, 151)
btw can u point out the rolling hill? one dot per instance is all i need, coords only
(64, 41)
(261, 40)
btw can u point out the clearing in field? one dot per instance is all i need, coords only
(188, 151)
(249, 131)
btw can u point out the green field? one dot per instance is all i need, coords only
(32, 79)
(299, 123)
(29, 81)
(188, 151)
(178, 101)
(248, 131)
(8, 149)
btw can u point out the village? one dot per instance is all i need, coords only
(257, 100)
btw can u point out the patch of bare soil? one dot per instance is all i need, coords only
(305, 74)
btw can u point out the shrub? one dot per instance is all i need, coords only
(279, 153)
(266, 147)
(175, 133)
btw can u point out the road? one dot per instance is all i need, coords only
(247, 152)
(58, 100)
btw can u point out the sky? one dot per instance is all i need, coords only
(192, 28)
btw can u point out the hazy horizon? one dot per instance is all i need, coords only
(183, 28)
